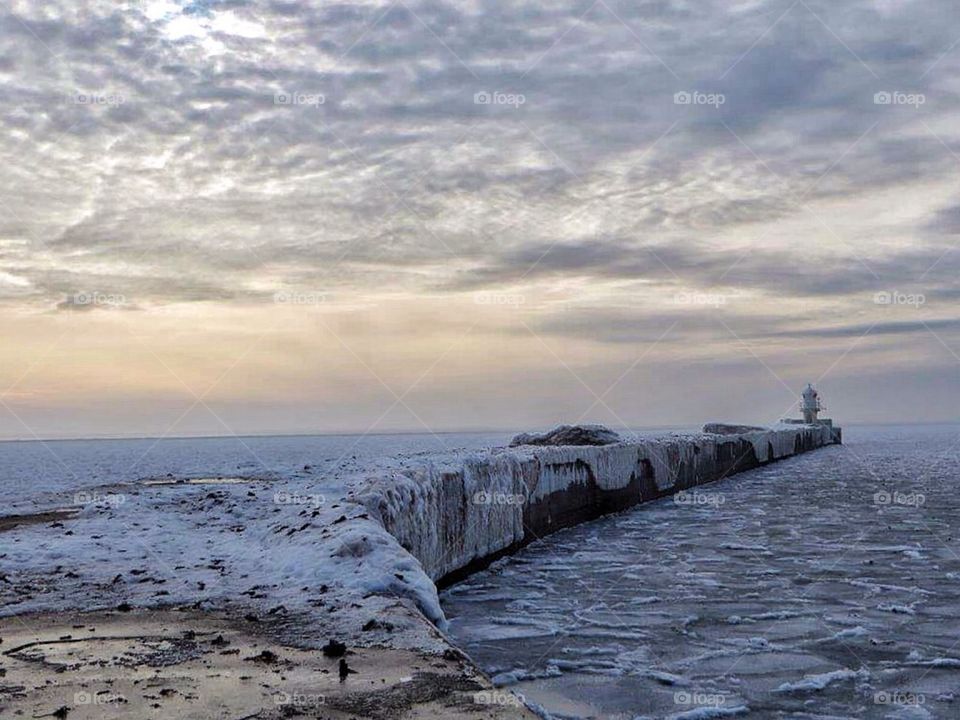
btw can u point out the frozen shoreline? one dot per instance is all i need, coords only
(363, 567)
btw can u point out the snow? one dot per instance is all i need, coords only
(822, 680)
(211, 543)
(908, 712)
(707, 713)
(447, 516)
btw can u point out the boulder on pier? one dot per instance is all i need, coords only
(569, 435)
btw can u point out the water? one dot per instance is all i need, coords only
(803, 589)
(38, 475)
(42, 474)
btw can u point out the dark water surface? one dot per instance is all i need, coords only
(823, 586)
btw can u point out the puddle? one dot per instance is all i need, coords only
(8, 522)
(202, 481)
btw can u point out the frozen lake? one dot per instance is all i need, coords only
(824, 586)
(48, 473)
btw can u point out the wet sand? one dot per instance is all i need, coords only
(187, 664)
(9, 522)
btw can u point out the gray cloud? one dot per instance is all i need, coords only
(200, 182)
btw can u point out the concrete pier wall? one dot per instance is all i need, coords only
(460, 514)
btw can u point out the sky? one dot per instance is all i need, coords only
(235, 217)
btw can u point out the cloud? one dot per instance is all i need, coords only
(214, 153)
(946, 221)
(179, 155)
(898, 327)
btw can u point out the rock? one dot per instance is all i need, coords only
(377, 625)
(345, 670)
(569, 435)
(266, 657)
(334, 649)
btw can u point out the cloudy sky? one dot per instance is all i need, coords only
(239, 216)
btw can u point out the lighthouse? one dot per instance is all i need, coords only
(810, 405)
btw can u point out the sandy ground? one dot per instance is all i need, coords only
(185, 664)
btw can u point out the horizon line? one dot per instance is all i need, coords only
(390, 433)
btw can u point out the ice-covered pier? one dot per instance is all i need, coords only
(458, 514)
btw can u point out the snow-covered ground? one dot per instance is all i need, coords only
(822, 586)
(267, 528)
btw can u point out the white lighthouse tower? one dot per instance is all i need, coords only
(810, 405)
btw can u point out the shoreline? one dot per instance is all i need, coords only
(363, 569)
